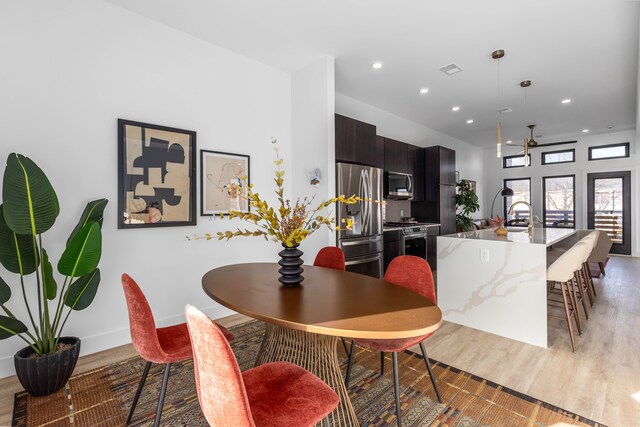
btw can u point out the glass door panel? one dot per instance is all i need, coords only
(609, 202)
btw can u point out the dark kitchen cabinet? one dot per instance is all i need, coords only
(416, 168)
(393, 246)
(440, 165)
(396, 156)
(435, 185)
(356, 142)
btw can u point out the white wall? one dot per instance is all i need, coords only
(313, 136)
(495, 175)
(70, 68)
(469, 157)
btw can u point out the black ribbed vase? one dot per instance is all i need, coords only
(291, 265)
(41, 376)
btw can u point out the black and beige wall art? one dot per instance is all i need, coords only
(156, 175)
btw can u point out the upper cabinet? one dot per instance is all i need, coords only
(356, 142)
(440, 165)
(396, 156)
(432, 167)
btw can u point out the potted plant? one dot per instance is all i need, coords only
(466, 204)
(29, 208)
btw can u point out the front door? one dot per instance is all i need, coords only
(609, 207)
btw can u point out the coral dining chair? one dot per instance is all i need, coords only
(155, 345)
(270, 395)
(414, 274)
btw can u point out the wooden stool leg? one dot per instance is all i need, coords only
(574, 304)
(592, 288)
(580, 293)
(564, 289)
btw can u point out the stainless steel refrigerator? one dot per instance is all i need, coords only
(362, 244)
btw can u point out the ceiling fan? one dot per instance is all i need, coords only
(532, 143)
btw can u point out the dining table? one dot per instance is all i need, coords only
(304, 322)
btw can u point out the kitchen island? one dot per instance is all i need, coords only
(496, 283)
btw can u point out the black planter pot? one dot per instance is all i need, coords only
(291, 263)
(41, 376)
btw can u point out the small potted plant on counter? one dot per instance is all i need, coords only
(29, 208)
(466, 204)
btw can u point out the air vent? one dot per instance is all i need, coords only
(504, 110)
(451, 69)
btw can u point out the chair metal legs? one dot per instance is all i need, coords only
(344, 344)
(347, 376)
(325, 420)
(396, 387)
(433, 379)
(140, 387)
(163, 390)
(396, 383)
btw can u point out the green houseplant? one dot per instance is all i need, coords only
(29, 208)
(466, 204)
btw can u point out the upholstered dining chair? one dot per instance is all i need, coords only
(332, 257)
(270, 395)
(414, 274)
(155, 345)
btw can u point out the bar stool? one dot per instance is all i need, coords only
(563, 271)
(594, 238)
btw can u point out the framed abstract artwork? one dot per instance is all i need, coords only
(223, 180)
(156, 175)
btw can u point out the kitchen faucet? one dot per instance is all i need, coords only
(530, 220)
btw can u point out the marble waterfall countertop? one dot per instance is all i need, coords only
(541, 236)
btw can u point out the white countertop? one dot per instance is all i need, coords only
(541, 236)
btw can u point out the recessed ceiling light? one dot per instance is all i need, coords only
(509, 142)
(376, 65)
(585, 130)
(455, 108)
(566, 101)
(469, 121)
(424, 90)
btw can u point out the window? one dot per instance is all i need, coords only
(514, 161)
(559, 207)
(560, 156)
(611, 151)
(521, 192)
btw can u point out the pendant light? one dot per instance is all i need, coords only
(525, 84)
(497, 55)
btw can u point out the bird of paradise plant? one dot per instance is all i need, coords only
(29, 208)
(290, 223)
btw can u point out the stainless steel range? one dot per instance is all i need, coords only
(414, 236)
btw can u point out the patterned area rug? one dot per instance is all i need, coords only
(101, 397)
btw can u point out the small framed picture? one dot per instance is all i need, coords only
(224, 178)
(156, 175)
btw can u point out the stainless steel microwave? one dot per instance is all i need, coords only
(398, 186)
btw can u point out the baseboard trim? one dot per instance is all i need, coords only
(117, 337)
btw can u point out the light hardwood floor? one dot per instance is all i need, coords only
(598, 381)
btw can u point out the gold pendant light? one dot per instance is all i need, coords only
(497, 54)
(525, 84)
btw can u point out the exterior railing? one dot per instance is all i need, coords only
(608, 221)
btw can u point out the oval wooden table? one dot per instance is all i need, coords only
(304, 322)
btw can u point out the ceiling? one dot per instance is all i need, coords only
(585, 50)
